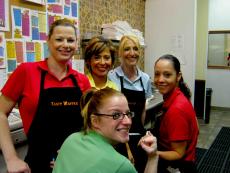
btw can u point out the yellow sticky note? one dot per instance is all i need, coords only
(38, 51)
(42, 22)
(10, 50)
(17, 33)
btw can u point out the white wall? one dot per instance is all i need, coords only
(219, 15)
(218, 79)
(170, 29)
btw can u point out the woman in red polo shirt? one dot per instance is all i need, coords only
(48, 94)
(177, 130)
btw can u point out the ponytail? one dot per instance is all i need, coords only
(85, 111)
(184, 88)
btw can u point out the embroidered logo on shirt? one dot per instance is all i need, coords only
(64, 103)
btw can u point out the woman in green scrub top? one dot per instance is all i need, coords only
(107, 120)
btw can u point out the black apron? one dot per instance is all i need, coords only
(136, 101)
(57, 116)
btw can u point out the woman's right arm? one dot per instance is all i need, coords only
(149, 144)
(13, 162)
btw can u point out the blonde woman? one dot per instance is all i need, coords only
(136, 86)
(48, 94)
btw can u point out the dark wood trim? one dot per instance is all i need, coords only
(219, 32)
(218, 67)
(220, 108)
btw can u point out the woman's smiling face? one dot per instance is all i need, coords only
(62, 43)
(130, 53)
(116, 131)
(165, 76)
(101, 64)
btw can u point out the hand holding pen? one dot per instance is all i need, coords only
(149, 143)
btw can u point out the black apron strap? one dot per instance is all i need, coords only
(43, 73)
(121, 81)
(142, 84)
(74, 80)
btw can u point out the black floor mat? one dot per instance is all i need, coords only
(199, 154)
(217, 158)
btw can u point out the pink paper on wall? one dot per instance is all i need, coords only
(19, 51)
(26, 23)
(43, 36)
(30, 46)
(67, 2)
(50, 20)
(55, 8)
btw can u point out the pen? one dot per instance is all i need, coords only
(148, 133)
(134, 134)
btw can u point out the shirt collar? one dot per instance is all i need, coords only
(169, 100)
(92, 83)
(120, 73)
(43, 65)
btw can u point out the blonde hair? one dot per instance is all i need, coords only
(61, 22)
(124, 39)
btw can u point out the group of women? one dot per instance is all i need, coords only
(56, 101)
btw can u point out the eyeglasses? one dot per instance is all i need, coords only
(117, 115)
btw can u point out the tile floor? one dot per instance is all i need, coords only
(219, 117)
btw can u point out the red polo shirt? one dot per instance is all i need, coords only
(179, 124)
(23, 86)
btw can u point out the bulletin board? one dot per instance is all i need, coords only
(24, 26)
